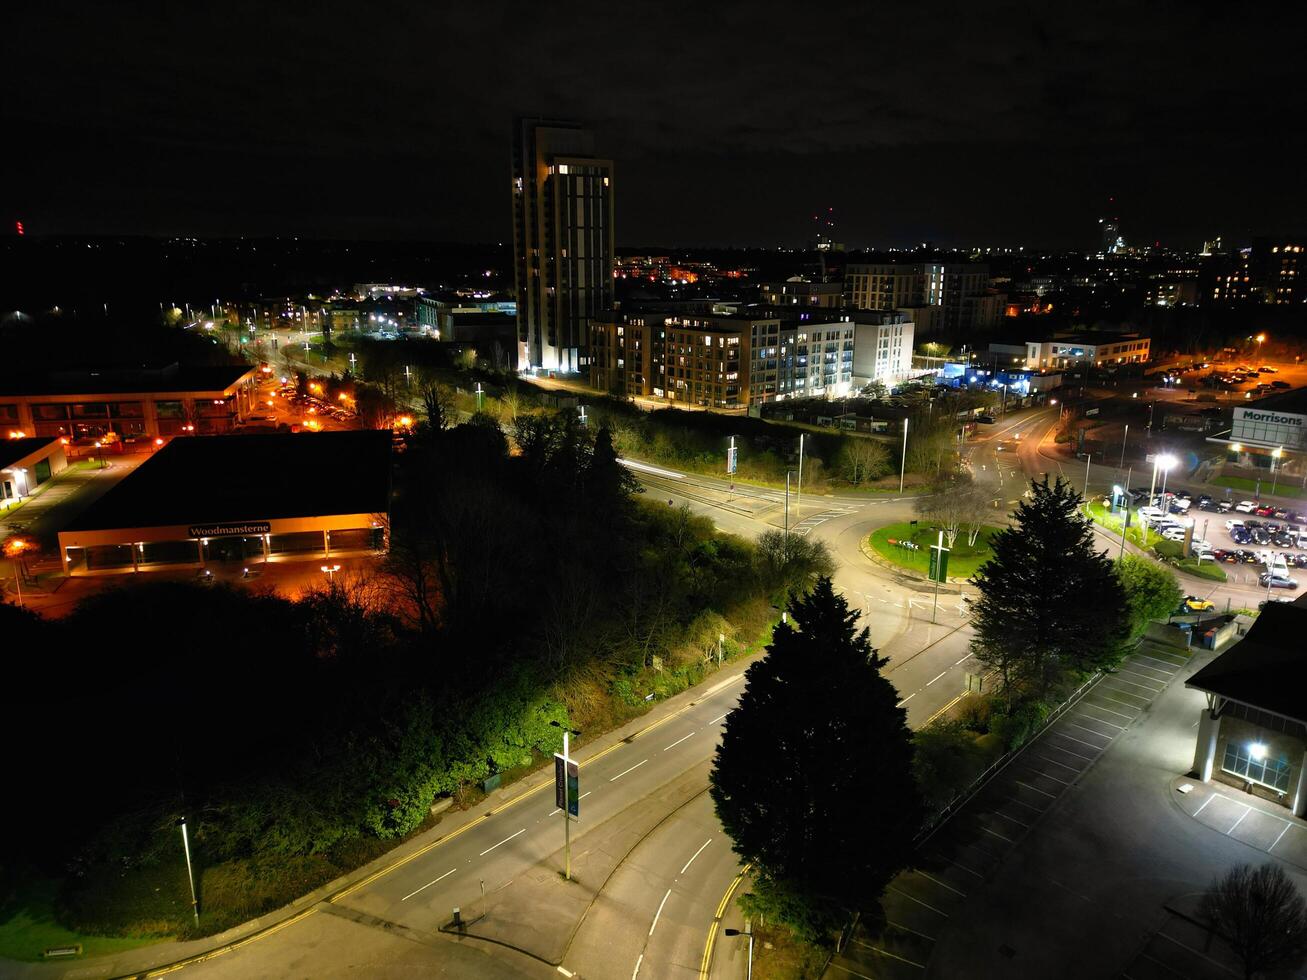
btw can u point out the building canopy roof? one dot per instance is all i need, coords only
(1267, 669)
(16, 450)
(172, 377)
(245, 478)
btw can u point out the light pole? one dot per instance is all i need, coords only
(1088, 457)
(14, 547)
(330, 571)
(1124, 437)
(190, 874)
(1125, 520)
(748, 931)
(1276, 453)
(787, 506)
(564, 798)
(903, 466)
(1164, 461)
(798, 500)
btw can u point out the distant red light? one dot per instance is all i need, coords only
(18, 227)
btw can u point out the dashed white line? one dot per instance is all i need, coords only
(718, 718)
(432, 882)
(654, 924)
(963, 660)
(695, 855)
(504, 841)
(636, 972)
(625, 771)
(936, 677)
(907, 699)
(678, 741)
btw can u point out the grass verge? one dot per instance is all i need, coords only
(1137, 534)
(964, 559)
(1267, 486)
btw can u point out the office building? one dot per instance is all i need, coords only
(1068, 350)
(562, 242)
(131, 402)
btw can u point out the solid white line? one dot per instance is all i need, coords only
(1247, 810)
(1119, 728)
(565, 972)
(1205, 802)
(1062, 764)
(678, 742)
(1079, 741)
(1090, 730)
(1277, 839)
(636, 972)
(1120, 714)
(504, 841)
(695, 855)
(1036, 789)
(625, 771)
(432, 882)
(936, 677)
(654, 924)
(942, 884)
(891, 888)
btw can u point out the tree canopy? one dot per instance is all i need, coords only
(1151, 591)
(1261, 914)
(1051, 607)
(813, 777)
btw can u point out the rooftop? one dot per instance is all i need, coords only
(1267, 668)
(126, 380)
(230, 479)
(15, 450)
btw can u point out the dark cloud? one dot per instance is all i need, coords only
(1002, 122)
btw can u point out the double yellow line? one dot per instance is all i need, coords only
(706, 964)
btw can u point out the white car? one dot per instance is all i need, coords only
(1246, 506)
(1150, 514)
(1181, 504)
(1173, 533)
(1230, 525)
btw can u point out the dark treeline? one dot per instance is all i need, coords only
(522, 588)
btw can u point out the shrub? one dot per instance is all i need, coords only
(1016, 724)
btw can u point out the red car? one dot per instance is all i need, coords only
(1265, 511)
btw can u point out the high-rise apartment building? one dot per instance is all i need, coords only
(1270, 271)
(882, 285)
(562, 241)
(947, 297)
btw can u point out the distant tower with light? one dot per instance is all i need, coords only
(1110, 238)
(562, 241)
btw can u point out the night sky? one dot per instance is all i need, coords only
(731, 123)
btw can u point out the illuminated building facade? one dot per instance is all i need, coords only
(562, 242)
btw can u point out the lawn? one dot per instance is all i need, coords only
(28, 928)
(1138, 533)
(1282, 488)
(963, 562)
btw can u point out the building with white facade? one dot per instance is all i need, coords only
(882, 349)
(1100, 351)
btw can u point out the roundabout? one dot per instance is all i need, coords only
(907, 545)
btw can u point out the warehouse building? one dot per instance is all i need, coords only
(239, 499)
(26, 463)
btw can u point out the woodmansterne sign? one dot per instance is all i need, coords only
(228, 530)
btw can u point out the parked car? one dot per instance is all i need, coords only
(1277, 581)
(1246, 506)
(1150, 514)
(1224, 506)
(1234, 522)
(1173, 533)
(1193, 604)
(1265, 510)
(1267, 370)
(1281, 384)
(985, 419)
(1241, 536)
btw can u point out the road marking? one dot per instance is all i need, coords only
(942, 884)
(883, 952)
(1080, 741)
(678, 742)
(1247, 810)
(1205, 802)
(565, 972)
(504, 841)
(654, 925)
(1056, 763)
(695, 855)
(578, 799)
(706, 962)
(1277, 839)
(964, 659)
(428, 884)
(936, 677)
(625, 771)
(1100, 721)
(718, 718)
(636, 972)
(1090, 730)
(907, 699)
(927, 905)
(1041, 792)
(1120, 714)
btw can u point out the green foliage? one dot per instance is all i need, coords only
(1151, 591)
(813, 777)
(947, 758)
(1169, 549)
(1018, 721)
(1051, 607)
(1209, 570)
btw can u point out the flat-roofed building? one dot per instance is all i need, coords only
(1100, 350)
(26, 463)
(239, 499)
(146, 402)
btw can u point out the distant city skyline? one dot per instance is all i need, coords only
(1006, 126)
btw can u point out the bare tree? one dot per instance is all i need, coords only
(863, 459)
(1261, 914)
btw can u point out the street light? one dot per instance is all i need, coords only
(1164, 462)
(1276, 453)
(331, 571)
(14, 547)
(748, 932)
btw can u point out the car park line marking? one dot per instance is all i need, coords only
(926, 905)
(1062, 764)
(1112, 724)
(998, 835)
(903, 928)
(1123, 670)
(428, 884)
(625, 771)
(1028, 806)
(1204, 804)
(1036, 789)
(1081, 741)
(1168, 674)
(883, 952)
(1287, 825)
(1058, 748)
(1120, 714)
(1127, 704)
(942, 884)
(1141, 656)
(1040, 772)
(695, 855)
(678, 742)
(1000, 813)
(1133, 684)
(1247, 810)
(504, 841)
(1089, 730)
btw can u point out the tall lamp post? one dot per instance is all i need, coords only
(1164, 462)
(14, 547)
(1276, 454)
(330, 571)
(903, 466)
(749, 933)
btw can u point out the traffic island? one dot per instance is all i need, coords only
(907, 545)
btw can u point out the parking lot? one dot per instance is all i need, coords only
(962, 856)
